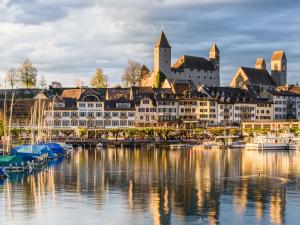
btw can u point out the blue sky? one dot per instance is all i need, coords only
(69, 39)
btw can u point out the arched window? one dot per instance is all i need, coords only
(90, 98)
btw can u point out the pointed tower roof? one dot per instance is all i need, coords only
(214, 48)
(162, 41)
(277, 55)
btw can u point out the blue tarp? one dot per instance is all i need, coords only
(32, 151)
(56, 148)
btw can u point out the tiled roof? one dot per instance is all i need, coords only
(277, 55)
(192, 62)
(258, 76)
(162, 41)
(72, 93)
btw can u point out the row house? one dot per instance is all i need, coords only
(180, 106)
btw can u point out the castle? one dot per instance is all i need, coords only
(196, 70)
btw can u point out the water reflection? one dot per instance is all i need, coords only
(157, 187)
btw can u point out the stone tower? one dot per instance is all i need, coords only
(260, 64)
(214, 56)
(162, 55)
(279, 67)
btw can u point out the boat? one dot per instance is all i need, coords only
(264, 143)
(180, 146)
(31, 152)
(3, 174)
(99, 146)
(238, 144)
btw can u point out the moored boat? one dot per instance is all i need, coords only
(180, 146)
(264, 143)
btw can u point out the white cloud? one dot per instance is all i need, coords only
(70, 38)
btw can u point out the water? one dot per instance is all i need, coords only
(158, 187)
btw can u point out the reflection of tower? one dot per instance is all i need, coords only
(277, 206)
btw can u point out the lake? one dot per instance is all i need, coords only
(135, 186)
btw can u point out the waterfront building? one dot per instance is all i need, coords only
(198, 70)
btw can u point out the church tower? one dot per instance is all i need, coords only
(162, 55)
(279, 68)
(214, 56)
(260, 64)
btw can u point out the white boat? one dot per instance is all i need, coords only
(264, 143)
(99, 146)
(68, 147)
(180, 146)
(238, 144)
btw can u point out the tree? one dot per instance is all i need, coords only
(160, 78)
(132, 74)
(27, 74)
(1, 128)
(99, 80)
(42, 82)
(56, 84)
(78, 83)
(11, 77)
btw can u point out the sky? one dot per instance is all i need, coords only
(68, 39)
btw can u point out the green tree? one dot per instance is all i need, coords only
(159, 79)
(132, 74)
(83, 132)
(27, 74)
(1, 128)
(99, 80)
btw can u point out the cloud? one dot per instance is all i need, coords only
(67, 39)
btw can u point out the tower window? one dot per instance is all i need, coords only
(276, 67)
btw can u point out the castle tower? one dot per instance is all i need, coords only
(162, 55)
(260, 64)
(279, 67)
(214, 56)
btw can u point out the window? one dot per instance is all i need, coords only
(131, 114)
(145, 102)
(123, 114)
(65, 114)
(98, 105)
(115, 123)
(123, 123)
(115, 114)
(82, 114)
(74, 123)
(74, 114)
(82, 123)
(90, 114)
(98, 114)
(65, 123)
(90, 105)
(82, 105)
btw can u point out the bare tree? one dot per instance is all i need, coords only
(42, 82)
(132, 74)
(27, 74)
(78, 83)
(99, 80)
(11, 77)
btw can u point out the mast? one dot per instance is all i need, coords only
(4, 113)
(9, 124)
